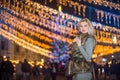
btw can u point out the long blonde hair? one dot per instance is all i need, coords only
(91, 28)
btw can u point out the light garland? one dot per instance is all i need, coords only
(106, 49)
(105, 3)
(43, 14)
(99, 12)
(48, 33)
(107, 16)
(23, 26)
(25, 44)
(22, 36)
(95, 2)
(29, 39)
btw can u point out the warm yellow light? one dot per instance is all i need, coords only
(94, 55)
(114, 39)
(42, 60)
(4, 56)
(60, 8)
(50, 0)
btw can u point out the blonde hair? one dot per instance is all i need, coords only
(91, 28)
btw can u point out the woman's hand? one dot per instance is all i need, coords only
(78, 41)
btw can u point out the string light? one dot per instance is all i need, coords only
(25, 44)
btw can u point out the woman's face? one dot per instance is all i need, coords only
(84, 27)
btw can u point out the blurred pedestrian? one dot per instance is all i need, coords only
(26, 69)
(8, 69)
(36, 72)
(47, 72)
(19, 74)
(106, 70)
(54, 71)
(1, 68)
(113, 70)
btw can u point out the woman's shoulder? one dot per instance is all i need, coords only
(92, 37)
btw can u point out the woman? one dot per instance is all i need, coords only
(82, 49)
